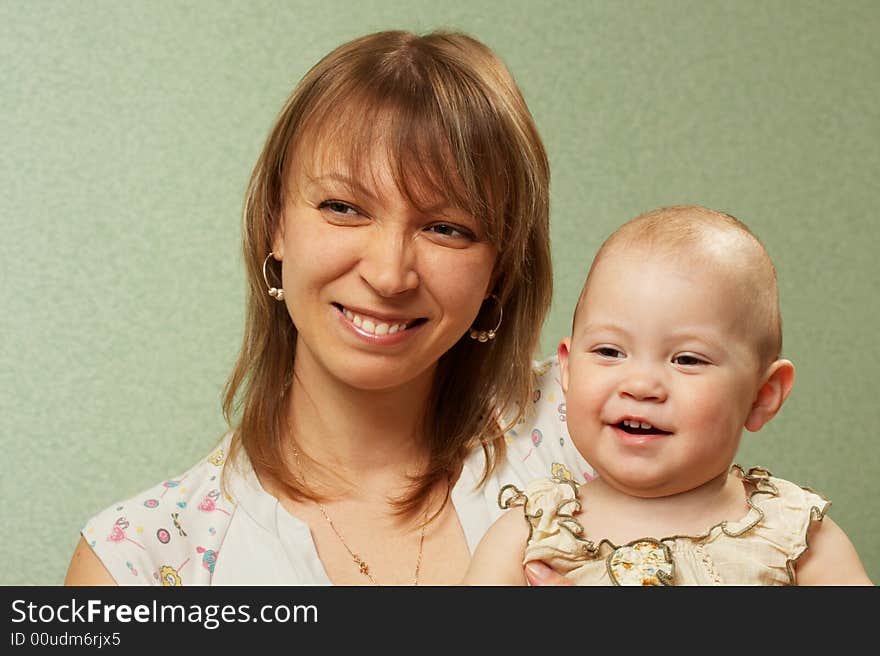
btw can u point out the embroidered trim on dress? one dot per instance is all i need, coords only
(708, 563)
(644, 562)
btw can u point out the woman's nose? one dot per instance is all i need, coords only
(389, 263)
(643, 383)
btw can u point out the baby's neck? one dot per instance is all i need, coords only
(611, 514)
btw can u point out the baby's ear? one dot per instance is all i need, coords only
(778, 381)
(562, 353)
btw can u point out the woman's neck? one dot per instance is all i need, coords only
(362, 435)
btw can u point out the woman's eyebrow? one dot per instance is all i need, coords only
(341, 178)
(442, 206)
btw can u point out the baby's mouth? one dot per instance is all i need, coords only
(377, 326)
(634, 427)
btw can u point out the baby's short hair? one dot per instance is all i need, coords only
(716, 239)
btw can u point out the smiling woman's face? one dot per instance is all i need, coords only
(378, 289)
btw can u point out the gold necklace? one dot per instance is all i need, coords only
(362, 565)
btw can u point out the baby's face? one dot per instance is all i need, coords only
(660, 373)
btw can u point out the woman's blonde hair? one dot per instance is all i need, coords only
(453, 121)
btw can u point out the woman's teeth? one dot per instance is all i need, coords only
(373, 327)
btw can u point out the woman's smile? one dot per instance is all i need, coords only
(377, 327)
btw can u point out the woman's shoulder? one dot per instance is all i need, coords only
(538, 445)
(170, 533)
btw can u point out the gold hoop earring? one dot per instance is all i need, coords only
(275, 292)
(487, 335)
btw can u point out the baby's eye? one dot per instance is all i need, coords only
(608, 352)
(688, 360)
(452, 231)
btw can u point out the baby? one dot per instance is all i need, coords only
(675, 348)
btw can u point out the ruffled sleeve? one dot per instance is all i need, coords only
(549, 505)
(768, 542)
(788, 517)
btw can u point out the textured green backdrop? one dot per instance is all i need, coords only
(129, 131)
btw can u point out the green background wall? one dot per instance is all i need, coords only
(129, 131)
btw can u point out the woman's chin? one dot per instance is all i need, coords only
(383, 377)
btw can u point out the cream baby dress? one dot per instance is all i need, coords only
(759, 549)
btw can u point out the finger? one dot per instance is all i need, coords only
(538, 573)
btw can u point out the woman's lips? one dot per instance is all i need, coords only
(377, 328)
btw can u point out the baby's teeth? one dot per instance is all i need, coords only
(368, 326)
(632, 423)
(393, 329)
(357, 321)
(382, 329)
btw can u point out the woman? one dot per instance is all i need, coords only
(397, 251)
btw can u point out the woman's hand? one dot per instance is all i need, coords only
(537, 573)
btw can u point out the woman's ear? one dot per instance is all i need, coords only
(278, 240)
(562, 354)
(494, 280)
(778, 381)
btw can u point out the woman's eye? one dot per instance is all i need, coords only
(608, 352)
(688, 360)
(451, 231)
(338, 207)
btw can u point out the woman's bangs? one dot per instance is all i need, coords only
(366, 130)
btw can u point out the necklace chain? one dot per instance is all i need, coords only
(362, 565)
